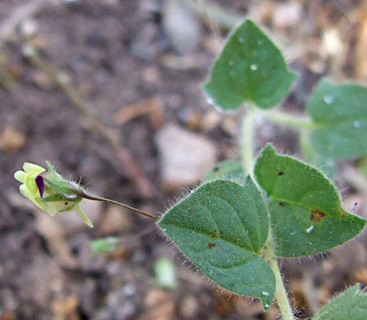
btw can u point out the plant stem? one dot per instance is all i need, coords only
(95, 198)
(289, 120)
(248, 160)
(224, 18)
(280, 292)
(247, 148)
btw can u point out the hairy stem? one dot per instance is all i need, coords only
(280, 291)
(247, 148)
(248, 160)
(224, 18)
(95, 198)
(289, 120)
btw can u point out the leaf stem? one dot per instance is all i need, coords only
(289, 120)
(247, 148)
(280, 291)
(95, 198)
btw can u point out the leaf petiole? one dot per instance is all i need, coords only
(289, 120)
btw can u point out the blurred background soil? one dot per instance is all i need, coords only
(109, 90)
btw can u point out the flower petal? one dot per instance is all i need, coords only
(40, 182)
(25, 192)
(32, 168)
(20, 176)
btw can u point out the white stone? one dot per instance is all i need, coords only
(287, 15)
(185, 156)
(182, 26)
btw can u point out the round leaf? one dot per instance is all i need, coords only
(340, 113)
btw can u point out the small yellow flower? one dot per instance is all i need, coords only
(49, 191)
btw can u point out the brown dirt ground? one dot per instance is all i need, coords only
(116, 54)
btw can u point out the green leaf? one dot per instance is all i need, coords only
(222, 227)
(349, 305)
(250, 68)
(165, 273)
(305, 208)
(340, 114)
(362, 167)
(109, 244)
(226, 170)
(312, 156)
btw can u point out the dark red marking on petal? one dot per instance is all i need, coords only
(40, 182)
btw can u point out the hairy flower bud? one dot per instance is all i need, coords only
(49, 191)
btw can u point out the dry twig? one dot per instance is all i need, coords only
(9, 26)
(123, 156)
(8, 29)
(152, 106)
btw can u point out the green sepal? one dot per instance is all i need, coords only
(53, 197)
(82, 215)
(60, 186)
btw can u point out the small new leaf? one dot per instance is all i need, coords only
(340, 114)
(109, 244)
(351, 304)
